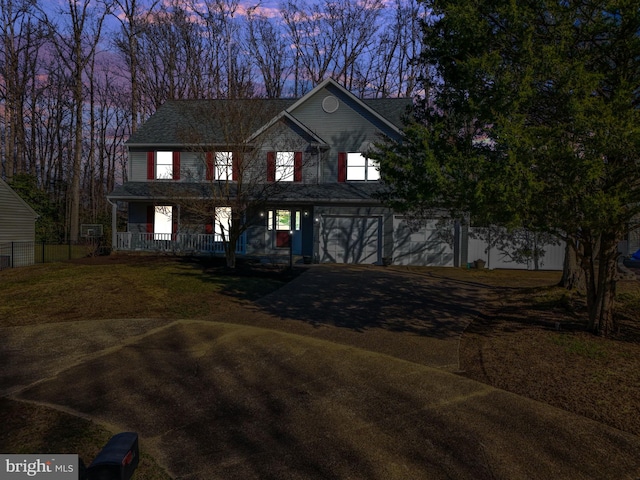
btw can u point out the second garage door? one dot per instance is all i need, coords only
(346, 239)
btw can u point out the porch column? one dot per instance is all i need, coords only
(114, 226)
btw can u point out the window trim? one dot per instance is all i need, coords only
(273, 166)
(368, 166)
(166, 212)
(226, 167)
(285, 166)
(152, 165)
(221, 232)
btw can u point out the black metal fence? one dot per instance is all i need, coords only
(22, 254)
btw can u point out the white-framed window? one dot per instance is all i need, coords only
(223, 166)
(163, 222)
(164, 165)
(285, 166)
(361, 168)
(281, 220)
(222, 224)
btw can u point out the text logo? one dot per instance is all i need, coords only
(49, 467)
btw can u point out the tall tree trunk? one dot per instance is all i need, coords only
(572, 274)
(74, 218)
(602, 307)
(234, 236)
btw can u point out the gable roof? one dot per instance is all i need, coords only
(236, 121)
(331, 84)
(287, 116)
(17, 198)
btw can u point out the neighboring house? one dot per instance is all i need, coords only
(308, 166)
(17, 229)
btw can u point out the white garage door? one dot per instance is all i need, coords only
(346, 239)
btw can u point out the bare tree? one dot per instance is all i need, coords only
(227, 60)
(75, 42)
(22, 37)
(270, 52)
(163, 44)
(331, 37)
(131, 16)
(391, 70)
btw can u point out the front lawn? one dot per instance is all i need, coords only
(126, 286)
(530, 339)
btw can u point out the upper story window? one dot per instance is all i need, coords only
(224, 166)
(221, 166)
(163, 165)
(354, 166)
(284, 166)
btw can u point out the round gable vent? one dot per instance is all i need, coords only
(330, 104)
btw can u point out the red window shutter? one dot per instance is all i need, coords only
(271, 166)
(151, 164)
(342, 166)
(209, 165)
(176, 165)
(235, 169)
(151, 211)
(297, 167)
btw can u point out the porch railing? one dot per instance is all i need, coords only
(174, 242)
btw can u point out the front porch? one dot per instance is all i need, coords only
(174, 242)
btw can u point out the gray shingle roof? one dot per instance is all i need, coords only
(209, 122)
(393, 109)
(218, 122)
(299, 193)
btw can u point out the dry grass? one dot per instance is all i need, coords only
(106, 288)
(30, 428)
(533, 342)
(123, 287)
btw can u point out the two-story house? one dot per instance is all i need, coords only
(297, 169)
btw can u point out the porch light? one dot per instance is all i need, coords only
(306, 213)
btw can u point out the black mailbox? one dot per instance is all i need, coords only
(117, 460)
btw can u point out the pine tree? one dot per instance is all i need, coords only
(531, 121)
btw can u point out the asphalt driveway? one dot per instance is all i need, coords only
(346, 372)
